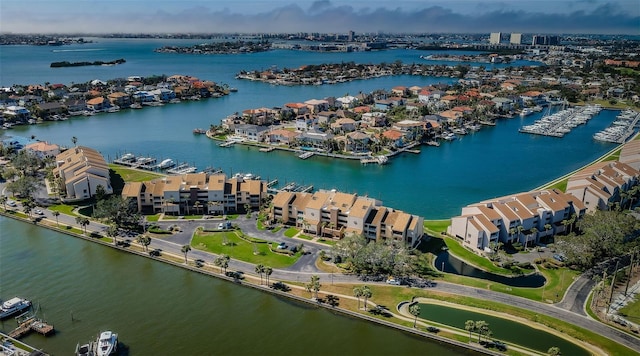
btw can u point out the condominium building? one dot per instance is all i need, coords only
(196, 193)
(334, 214)
(602, 183)
(516, 38)
(494, 37)
(81, 170)
(524, 217)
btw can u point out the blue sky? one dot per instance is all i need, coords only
(329, 16)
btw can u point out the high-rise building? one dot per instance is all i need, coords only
(516, 38)
(351, 33)
(494, 38)
(545, 40)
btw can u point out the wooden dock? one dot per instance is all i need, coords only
(267, 149)
(32, 324)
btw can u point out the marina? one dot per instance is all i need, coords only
(182, 168)
(562, 122)
(621, 129)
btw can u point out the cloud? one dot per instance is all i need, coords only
(324, 16)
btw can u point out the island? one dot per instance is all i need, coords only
(220, 48)
(84, 64)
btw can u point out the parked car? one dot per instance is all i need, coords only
(433, 329)
(12, 203)
(282, 246)
(393, 281)
(559, 257)
(38, 212)
(220, 226)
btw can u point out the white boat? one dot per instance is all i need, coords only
(13, 306)
(167, 163)
(107, 343)
(526, 112)
(450, 136)
(85, 350)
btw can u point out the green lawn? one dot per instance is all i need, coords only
(291, 232)
(306, 237)
(153, 218)
(240, 249)
(457, 249)
(632, 310)
(64, 209)
(134, 175)
(437, 226)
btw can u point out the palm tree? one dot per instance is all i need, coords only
(74, 140)
(185, 249)
(83, 222)
(480, 325)
(414, 309)
(470, 326)
(366, 294)
(145, 241)
(519, 228)
(554, 351)
(56, 214)
(3, 200)
(112, 231)
(225, 262)
(198, 206)
(260, 270)
(218, 262)
(314, 285)
(267, 272)
(357, 292)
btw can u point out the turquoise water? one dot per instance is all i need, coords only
(503, 329)
(435, 184)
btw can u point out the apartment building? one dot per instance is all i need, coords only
(81, 170)
(600, 184)
(196, 193)
(524, 217)
(334, 214)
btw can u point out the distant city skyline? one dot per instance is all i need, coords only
(338, 16)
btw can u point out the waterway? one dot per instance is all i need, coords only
(502, 329)
(83, 288)
(435, 184)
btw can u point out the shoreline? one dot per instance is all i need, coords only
(262, 288)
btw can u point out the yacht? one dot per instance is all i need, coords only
(526, 112)
(13, 306)
(107, 343)
(85, 350)
(167, 163)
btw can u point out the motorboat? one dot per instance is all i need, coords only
(85, 350)
(167, 163)
(107, 343)
(13, 306)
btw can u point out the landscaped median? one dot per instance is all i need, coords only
(245, 249)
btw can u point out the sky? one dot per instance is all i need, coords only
(324, 16)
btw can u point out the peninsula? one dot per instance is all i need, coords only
(83, 64)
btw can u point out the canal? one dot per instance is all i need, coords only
(502, 329)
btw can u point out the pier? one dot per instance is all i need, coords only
(32, 324)
(621, 129)
(227, 144)
(267, 149)
(562, 122)
(305, 155)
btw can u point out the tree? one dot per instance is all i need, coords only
(357, 292)
(3, 201)
(112, 231)
(470, 326)
(366, 294)
(259, 270)
(414, 309)
(225, 262)
(101, 193)
(56, 214)
(145, 241)
(74, 140)
(480, 326)
(314, 286)
(185, 249)
(554, 351)
(83, 222)
(121, 212)
(267, 272)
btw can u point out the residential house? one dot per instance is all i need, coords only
(281, 136)
(305, 122)
(315, 138)
(119, 99)
(601, 184)
(253, 133)
(348, 101)
(16, 113)
(43, 149)
(344, 125)
(98, 104)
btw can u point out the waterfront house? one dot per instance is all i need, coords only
(296, 108)
(315, 138)
(281, 136)
(415, 90)
(81, 170)
(252, 133)
(75, 106)
(399, 91)
(43, 149)
(503, 104)
(259, 116)
(162, 94)
(98, 104)
(142, 97)
(16, 113)
(119, 99)
(410, 128)
(46, 110)
(30, 100)
(344, 124)
(395, 137)
(357, 142)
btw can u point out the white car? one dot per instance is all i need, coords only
(12, 203)
(38, 212)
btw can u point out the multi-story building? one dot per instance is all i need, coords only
(494, 37)
(602, 183)
(524, 217)
(197, 193)
(82, 170)
(334, 214)
(515, 39)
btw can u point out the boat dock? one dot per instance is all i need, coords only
(621, 129)
(297, 188)
(272, 183)
(433, 143)
(305, 155)
(32, 324)
(227, 143)
(562, 122)
(267, 149)
(182, 168)
(129, 160)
